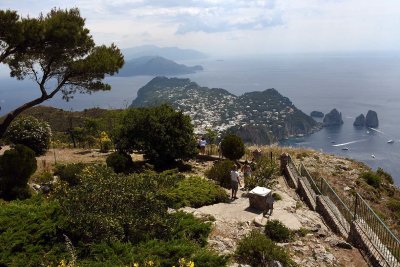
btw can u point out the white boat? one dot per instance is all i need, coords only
(391, 141)
(373, 156)
(345, 148)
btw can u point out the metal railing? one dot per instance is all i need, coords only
(348, 210)
(380, 236)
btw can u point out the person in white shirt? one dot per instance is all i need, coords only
(202, 145)
(235, 181)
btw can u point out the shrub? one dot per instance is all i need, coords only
(277, 231)
(276, 196)
(195, 192)
(16, 166)
(386, 176)
(161, 133)
(258, 250)
(220, 172)
(119, 162)
(105, 206)
(159, 252)
(30, 132)
(70, 172)
(372, 179)
(232, 147)
(29, 233)
(263, 175)
(186, 226)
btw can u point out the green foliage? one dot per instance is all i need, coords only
(16, 166)
(258, 250)
(105, 206)
(119, 161)
(264, 173)
(372, 179)
(220, 172)
(186, 226)
(161, 253)
(276, 196)
(29, 233)
(232, 147)
(195, 192)
(386, 176)
(277, 231)
(30, 132)
(211, 136)
(161, 133)
(58, 53)
(70, 172)
(394, 205)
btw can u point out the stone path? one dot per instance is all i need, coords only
(318, 248)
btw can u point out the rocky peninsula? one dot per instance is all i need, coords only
(257, 117)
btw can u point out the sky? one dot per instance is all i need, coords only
(236, 27)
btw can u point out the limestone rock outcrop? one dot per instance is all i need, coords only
(317, 114)
(333, 118)
(372, 119)
(360, 121)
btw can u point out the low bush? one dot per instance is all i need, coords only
(372, 179)
(16, 166)
(29, 233)
(220, 172)
(258, 250)
(120, 162)
(160, 253)
(232, 147)
(30, 132)
(386, 176)
(264, 174)
(70, 172)
(276, 196)
(195, 192)
(186, 226)
(277, 231)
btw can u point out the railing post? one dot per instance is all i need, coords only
(322, 190)
(355, 207)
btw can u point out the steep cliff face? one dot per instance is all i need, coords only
(359, 121)
(372, 119)
(333, 118)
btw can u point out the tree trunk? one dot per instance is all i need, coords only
(13, 114)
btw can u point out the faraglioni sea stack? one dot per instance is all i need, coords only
(360, 121)
(372, 119)
(333, 118)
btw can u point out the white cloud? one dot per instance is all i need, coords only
(237, 26)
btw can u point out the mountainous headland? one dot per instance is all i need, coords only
(172, 53)
(258, 117)
(155, 65)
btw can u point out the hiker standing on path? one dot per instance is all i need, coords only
(202, 145)
(235, 181)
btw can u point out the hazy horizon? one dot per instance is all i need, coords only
(227, 28)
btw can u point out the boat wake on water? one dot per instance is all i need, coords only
(351, 142)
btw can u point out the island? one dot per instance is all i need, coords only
(155, 65)
(359, 121)
(258, 117)
(317, 114)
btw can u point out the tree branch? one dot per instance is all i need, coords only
(13, 114)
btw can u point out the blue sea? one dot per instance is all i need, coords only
(352, 83)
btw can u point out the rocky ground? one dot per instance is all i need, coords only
(318, 247)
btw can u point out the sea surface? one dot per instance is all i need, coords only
(351, 83)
